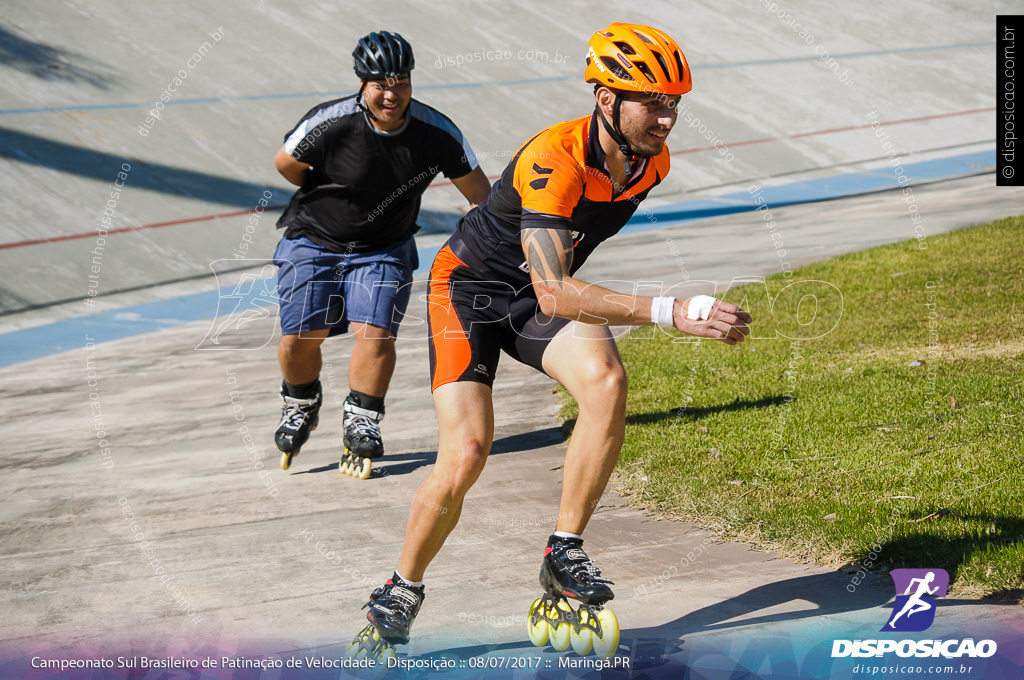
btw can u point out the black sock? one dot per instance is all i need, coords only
(305, 391)
(366, 401)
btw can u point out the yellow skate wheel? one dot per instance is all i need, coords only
(355, 650)
(583, 641)
(369, 645)
(606, 644)
(559, 636)
(364, 471)
(537, 632)
(286, 461)
(362, 643)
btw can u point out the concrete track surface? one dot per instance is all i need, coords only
(181, 537)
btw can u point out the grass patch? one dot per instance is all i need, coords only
(836, 449)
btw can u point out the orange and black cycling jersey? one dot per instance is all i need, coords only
(557, 180)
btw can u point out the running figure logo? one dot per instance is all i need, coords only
(252, 300)
(914, 610)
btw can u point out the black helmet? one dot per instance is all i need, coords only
(383, 55)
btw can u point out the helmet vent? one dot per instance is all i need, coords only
(616, 68)
(625, 47)
(645, 38)
(679, 65)
(664, 67)
(646, 71)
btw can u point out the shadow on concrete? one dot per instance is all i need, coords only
(659, 648)
(824, 594)
(46, 62)
(404, 463)
(525, 441)
(652, 648)
(75, 160)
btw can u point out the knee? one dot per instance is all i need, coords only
(298, 346)
(463, 464)
(376, 345)
(604, 385)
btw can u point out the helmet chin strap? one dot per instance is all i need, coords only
(614, 131)
(359, 99)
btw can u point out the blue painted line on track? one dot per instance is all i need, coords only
(61, 336)
(500, 83)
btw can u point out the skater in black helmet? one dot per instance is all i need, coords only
(347, 257)
(567, 189)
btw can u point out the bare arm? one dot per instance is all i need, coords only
(474, 185)
(549, 255)
(292, 170)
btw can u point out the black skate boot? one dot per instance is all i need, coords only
(362, 435)
(568, 573)
(393, 607)
(299, 417)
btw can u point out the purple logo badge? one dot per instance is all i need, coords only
(916, 590)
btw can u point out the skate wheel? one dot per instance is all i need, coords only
(559, 636)
(286, 460)
(537, 631)
(607, 643)
(369, 645)
(582, 641)
(355, 650)
(355, 466)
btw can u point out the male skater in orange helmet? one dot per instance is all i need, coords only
(568, 189)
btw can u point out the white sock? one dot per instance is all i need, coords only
(414, 584)
(566, 534)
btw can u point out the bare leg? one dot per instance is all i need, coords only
(299, 356)
(585, 360)
(465, 418)
(373, 360)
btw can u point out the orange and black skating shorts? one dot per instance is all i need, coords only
(472, 320)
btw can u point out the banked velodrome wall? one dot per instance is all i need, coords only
(136, 146)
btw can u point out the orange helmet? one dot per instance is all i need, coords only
(637, 58)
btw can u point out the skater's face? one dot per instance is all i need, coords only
(646, 120)
(387, 100)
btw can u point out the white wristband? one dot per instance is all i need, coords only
(699, 307)
(663, 311)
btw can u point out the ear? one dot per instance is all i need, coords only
(605, 100)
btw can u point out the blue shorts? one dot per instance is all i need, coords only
(322, 289)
